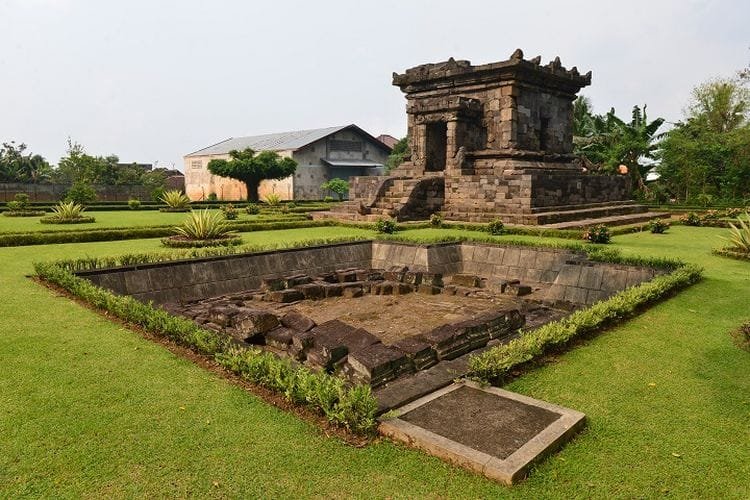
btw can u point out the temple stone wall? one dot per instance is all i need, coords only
(569, 276)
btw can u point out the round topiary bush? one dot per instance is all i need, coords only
(386, 226)
(658, 226)
(597, 234)
(436, 220)
(496, 227)
(252, 209)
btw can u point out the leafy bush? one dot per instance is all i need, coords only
(739, 234)
(20, 207)
(81, 193)
(176, 201)
(273, 199)
(436, 220)
(497, 362)
(203, 225)
(597, 234)
(230, 213)
(338, 186)
(212, 197)
(658, 226)
(252, 209)
(291, 205)
(157, 193)
(351, 407)
(134, 204)
(496, 227)
(386, 226)
(692, 219)
(328, 199)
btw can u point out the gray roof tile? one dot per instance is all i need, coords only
(282, 141)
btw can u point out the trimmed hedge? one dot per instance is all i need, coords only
(53, 219)
(351, 407)
(24, 213)
(496, 363)
(175, 241)
(82, 236)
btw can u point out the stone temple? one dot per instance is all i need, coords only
(492, 141)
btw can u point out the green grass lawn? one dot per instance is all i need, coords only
(89, 408)
(113, 219)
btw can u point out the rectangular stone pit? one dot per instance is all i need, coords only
(374, 311)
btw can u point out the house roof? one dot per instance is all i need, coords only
(282, 141)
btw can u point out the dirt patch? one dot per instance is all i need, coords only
(396, 317)
(466, 414)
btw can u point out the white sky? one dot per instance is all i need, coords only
(154, 80)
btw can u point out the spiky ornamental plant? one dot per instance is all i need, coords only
(739, 235)
(175, 200)
(204, 225)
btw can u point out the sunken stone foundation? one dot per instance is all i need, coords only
(375, 311)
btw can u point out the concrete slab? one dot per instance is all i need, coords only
(488, 430)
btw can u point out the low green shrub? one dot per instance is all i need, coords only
(691, 219)
(351, 407)
(436, 220)
(212, 197)
(230, 213)
(134, 204)
(20, 207)
(81, 193)
(496, 363)
(386, 226)
(496, 227)
(328, 199)
(658, 226)
(598, 233)
(252, 209)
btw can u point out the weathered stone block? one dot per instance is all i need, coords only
(413, 278)
(335, 339)
(297, 321)
(333, 290)
(272, 284)
(353, 292)
(285, 296)
(377, 364)
(466, 280)
(395, 273)
(434, 279)
(280, 338)
(429, 289)
(312, 291)
(421, 354)
(222, 315)
(296, 280)
(254, 322)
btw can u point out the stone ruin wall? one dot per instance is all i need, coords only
(569, 275)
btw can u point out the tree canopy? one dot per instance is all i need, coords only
(18, 166)
(605, 142)
(251, 168)
(708, 154)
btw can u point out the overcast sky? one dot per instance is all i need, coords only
(153, 80)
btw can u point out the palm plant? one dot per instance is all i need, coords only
(175, 200)
(204, 225)
(739, 235)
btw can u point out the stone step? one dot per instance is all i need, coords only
(565, 208)
(555, 216)
(617, 220)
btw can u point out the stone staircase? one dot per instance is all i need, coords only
(399, 198)
(577, 216)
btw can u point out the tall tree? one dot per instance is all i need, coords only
(78, 166)
(18, 166)
(251, 168)
(708, 153)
